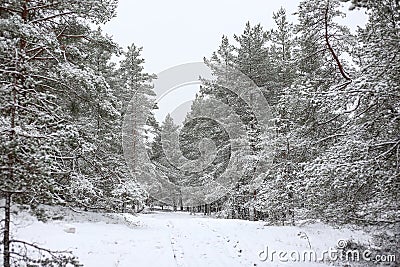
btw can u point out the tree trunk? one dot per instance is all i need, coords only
(6, 238)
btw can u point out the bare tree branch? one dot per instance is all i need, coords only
(52, 17)
(335, 57)
(52, 252)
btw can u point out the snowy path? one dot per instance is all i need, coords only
(167, 239)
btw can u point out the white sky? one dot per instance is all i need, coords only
(174, 32)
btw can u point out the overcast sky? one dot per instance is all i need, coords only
(178, 31)
(174, 32)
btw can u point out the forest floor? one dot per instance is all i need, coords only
(178, 239)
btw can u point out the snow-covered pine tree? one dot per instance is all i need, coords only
(284, 73)
(362, 167)
(170, 144)
(237, 70)
(136, 94)
(39, 44)
(306, 113)
(252, 54)
(166, 156)
(281, 47)
(98, 163)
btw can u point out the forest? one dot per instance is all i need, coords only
(327, 150)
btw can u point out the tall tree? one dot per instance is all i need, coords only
(136, 94)
(40, 43)
(281, 52)
(307, 118)
(364, 159)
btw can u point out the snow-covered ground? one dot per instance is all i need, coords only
(176, 239)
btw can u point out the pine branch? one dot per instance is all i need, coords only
(335, 57)
(389, 150)
(59, 82)
(10, 10)
(57, 257)
(330, 120)
(51, 252)
(74, 36)
(41, 48)
(12, 191)
(35, 55)
(330, 137)
(43, 6)
(52, 17)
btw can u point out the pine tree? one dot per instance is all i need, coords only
(223, 101)
(39, 43)
(99, 162)
(168, 158)
(135, 92)
(252, 54)
(307, 117)
(281, 53)
(365, 179)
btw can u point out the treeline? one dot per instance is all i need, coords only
(333, 137)
(62, 104)
(62, 101)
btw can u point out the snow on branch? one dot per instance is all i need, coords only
(46, 256)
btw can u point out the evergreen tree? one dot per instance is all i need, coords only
(281, 53)
(222, 100)
(307, 119)
(252, 54)
(361, 170)
(135, 92)
(41, 44)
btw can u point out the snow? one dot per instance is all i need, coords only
(166, 239)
